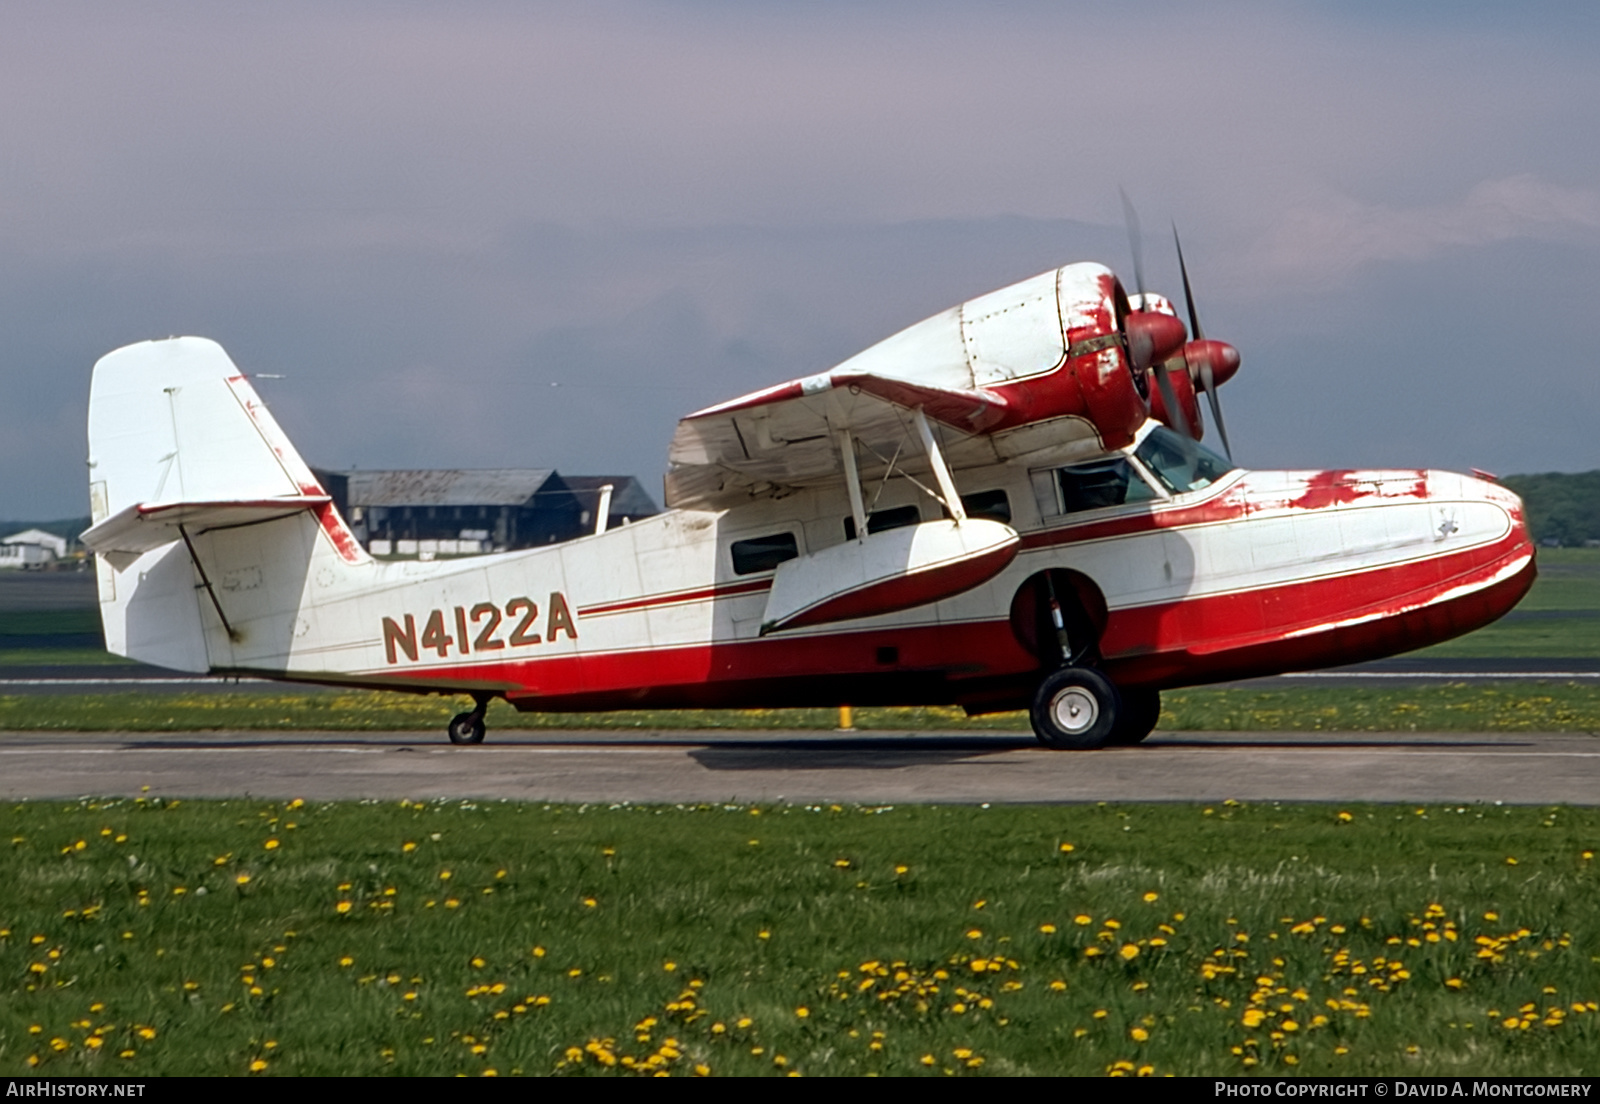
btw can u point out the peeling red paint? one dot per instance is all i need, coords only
(1328, 488)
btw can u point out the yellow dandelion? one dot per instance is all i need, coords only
(1139, 1035)
(1082, 919)
(802, 1012)
(271, 845)
(1151, 897)
(590, 902)
(1129, 952)
(342, 907)
(258, 1065)
(1066, 847)
(1047, 929)
(243, 879)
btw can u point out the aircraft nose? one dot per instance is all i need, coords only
(1489, 489)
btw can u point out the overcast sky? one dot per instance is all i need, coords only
(521, 235)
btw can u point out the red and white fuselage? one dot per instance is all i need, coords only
(219, 552)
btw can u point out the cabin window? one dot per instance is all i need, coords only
(1111, 482)
(991, 505)
(763, 553)
(897, 517)
(1179, 463)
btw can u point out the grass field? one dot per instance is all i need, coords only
(144, 938)
(1495, 707)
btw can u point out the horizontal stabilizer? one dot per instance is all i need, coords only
(143, 527)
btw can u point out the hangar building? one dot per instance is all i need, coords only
(462, 512)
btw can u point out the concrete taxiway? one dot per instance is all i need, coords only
(879, 767)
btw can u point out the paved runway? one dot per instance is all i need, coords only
(806, 767)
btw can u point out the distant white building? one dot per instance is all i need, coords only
(31, 548)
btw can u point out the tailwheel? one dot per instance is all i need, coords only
(468, 728)
(1075, 708)
(1141, 709)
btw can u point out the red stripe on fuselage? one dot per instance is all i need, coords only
(677, 597)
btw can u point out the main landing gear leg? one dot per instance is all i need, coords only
(1076, 707)
(468, 728)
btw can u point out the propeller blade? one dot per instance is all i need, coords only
(1188, 295)
(1169, 399)
(1208, 381)
(1135, 242)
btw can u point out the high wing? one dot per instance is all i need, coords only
(1049, 350)
(784, 437)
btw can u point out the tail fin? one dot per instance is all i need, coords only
(181, 452)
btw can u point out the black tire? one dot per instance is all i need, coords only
(466, 728)
(1075, 709)
(1141, 709)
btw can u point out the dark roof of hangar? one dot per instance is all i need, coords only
(628, 496)
(481, 487)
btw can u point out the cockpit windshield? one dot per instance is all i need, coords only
(1179, 463)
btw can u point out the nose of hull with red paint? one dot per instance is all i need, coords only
(1485, 554)
(1347, 566)
(1458, 559)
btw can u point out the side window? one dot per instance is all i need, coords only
(879, 520)
(991, 505)
(1104, 483)
(763, 553)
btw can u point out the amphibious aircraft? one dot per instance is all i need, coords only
(1007, 505)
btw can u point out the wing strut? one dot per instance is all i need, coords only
(852, 481)
(952, 500)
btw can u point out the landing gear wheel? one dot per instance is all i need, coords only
(1075, 708)
(467, 728)
(1141, 709)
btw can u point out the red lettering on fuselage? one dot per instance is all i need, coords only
(520, 613)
